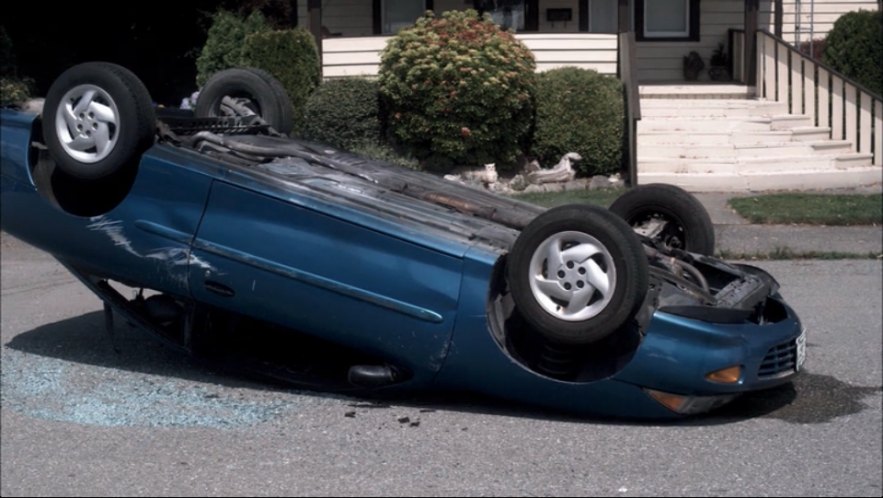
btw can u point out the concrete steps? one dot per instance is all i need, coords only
(813, 179)
(728, 141)
(743, 150)
(744, 166)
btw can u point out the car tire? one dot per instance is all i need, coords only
(260, 92)
(97, 119)
(598, 280)
(687, 223)
(286, 108)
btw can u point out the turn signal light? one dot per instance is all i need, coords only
(729, 375)
(673, 402)
(688, 405)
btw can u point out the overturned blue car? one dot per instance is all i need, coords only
(225, 225)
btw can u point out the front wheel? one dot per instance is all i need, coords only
(577, 273)
(97, 119)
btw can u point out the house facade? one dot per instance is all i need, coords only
(785, 121)
(665, 30)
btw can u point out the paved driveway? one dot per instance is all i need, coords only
(79, 418)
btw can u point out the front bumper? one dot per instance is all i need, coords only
(678, 354)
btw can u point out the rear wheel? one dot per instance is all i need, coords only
(97, 119)
(577, 273)
(667, 214)
(244, 92)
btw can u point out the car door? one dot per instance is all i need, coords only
(143, 240)
(321, 272)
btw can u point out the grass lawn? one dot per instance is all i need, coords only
(779, 209)
(811, 209)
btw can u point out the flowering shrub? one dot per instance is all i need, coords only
(458, 90)
(14, 90)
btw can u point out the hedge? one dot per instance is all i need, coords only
(292, 57)
(344, 113)
(855, 48)
(579, 110)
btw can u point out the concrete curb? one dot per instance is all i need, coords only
(735, 236)
(780, 240)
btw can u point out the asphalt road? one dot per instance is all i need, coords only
(79, 418)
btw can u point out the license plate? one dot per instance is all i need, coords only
(801, 351)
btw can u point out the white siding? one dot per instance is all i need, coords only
(583, 50)
(816, 17)
(664, 61)
(361, 56)
(352, 56)
(657, 61)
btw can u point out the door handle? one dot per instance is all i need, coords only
(219, 288)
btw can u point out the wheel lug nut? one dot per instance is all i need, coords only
(570, 264)
(580, 284)
(582, 271)
(561, 274)
(567, 286)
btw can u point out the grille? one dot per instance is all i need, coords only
(779, 361)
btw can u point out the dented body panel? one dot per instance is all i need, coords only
(400, 265)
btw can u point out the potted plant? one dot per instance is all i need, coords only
(720, 64)
(692, 66)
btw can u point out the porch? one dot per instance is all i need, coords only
(843, 121)
(665, 30)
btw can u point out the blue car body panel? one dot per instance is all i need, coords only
(290, 249)
(310, 271)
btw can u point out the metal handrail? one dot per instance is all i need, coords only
(627, 73)
(821, 64)
(807, 84)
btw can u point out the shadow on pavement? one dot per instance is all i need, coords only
(83, 340)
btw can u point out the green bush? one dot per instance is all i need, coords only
(855, 48)
(226, 38)
(579, 110)
(14, 90)
(458, 90)
(344, 113)
(382, 152)
(292, 57)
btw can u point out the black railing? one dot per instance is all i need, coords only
(811, 87)
(627, 62)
